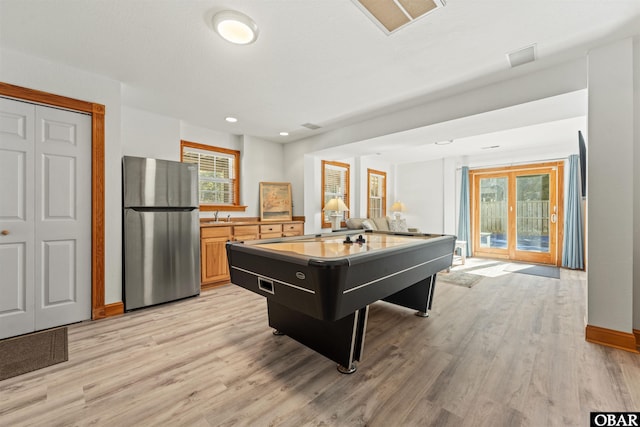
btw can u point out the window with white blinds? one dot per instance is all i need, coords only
(217, 174)
(377, 201)
(335, 184)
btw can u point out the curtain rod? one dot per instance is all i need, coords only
(515, 163)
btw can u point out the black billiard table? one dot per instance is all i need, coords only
(318, 288)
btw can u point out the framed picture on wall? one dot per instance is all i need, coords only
(275, 201)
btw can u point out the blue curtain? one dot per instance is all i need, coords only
(573, 250)
(464, 219)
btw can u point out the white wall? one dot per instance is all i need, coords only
(207, 136)
(420, 186)
(431, 189)
(130, 131)
(636, 186)
(59, 79)
(563, 78)
(146, 134)
(610, 200)
(262, 161)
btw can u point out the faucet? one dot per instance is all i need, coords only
(215, 216)
(229, 218)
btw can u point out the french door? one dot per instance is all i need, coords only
(517, 212)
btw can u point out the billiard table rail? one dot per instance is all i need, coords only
(323, 302)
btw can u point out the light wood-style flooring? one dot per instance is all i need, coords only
(509, 351)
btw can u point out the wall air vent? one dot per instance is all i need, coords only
(522, 56)
(391, 15)
(311, 126)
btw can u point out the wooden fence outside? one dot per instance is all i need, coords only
(532, 218)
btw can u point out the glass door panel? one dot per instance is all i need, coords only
(516, 214)
(533, 214)
(494, 212)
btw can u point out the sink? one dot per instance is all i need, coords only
(226, 222)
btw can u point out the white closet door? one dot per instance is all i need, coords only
(63, 217)
(45, 217)
(17, 315)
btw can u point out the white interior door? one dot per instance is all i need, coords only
(63, 217)
(17, 233)
(45, 173)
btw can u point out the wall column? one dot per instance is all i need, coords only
(610, 193)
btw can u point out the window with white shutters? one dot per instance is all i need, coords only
(335, 184)
(218, 175)
(377, 199)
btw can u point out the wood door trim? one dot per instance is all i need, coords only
(97, 112)
(513, 171)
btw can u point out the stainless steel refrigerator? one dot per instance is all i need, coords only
(161, 232)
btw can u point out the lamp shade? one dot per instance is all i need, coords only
(398, 207)
(336, 205)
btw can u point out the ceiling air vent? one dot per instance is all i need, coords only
(391, 15)
(522, 56)
(311, 126)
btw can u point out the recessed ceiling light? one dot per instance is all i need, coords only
(311, 126)
(284, 133)
(447, 142)
(235, 27)
(231, 119)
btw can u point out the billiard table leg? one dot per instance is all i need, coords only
(340, 340)
(418, 296)
(349, 370)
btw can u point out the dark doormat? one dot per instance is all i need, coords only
(459, 278)
(26, 353)
(539, 270)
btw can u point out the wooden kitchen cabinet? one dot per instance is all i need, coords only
(214, 268)
(292, 229)
(213, 254)
(246, 232)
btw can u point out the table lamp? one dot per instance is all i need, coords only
(397, 208)
(337, 206)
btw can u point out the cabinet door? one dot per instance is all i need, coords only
(214, 259)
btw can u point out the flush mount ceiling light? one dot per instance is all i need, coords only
(231, 119)
(390, 15)
(284, 133)
(235, 27)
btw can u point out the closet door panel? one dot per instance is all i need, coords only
(63, 220)
(16, 218)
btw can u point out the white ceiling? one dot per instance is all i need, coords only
(315, 61)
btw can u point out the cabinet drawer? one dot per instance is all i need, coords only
(245, 230)
(270, 235)
(215, 232)
(271, 228)
(243, 237)
(293, 228)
